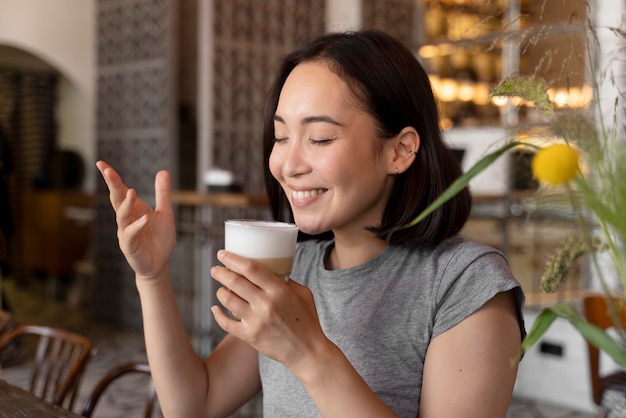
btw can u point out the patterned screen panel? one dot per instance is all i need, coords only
(251, 37)
(392, 16)
(135, 126)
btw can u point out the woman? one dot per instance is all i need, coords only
(374, 322)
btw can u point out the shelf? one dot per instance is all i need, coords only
(467, 46)
(238, 200)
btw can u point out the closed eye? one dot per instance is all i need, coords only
(321, 141)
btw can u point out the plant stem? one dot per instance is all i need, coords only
(583, 225)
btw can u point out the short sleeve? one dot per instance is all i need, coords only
(471, 278)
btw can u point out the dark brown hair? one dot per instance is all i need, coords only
(388, 81)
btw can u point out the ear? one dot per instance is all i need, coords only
(401, 151)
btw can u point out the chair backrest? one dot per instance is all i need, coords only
(60, 358)
(596, 311)
(113, 375)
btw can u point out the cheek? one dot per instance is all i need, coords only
(275, 165)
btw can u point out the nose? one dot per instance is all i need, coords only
(293, 160)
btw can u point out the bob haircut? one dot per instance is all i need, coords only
(390, 84)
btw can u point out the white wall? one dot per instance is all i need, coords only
(61, 33)
(477, 143)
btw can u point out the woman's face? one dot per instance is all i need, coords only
(324, 157)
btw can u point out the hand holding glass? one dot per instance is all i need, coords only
(270, 243)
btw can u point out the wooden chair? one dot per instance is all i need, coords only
(596, 312)
(11, 353)
(60, 359)
(113, 375)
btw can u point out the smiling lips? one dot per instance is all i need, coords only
(300, 195)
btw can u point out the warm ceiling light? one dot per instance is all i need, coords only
(448, 91)
(466, 91)
(481, 94)
(429, 51)
(561, 97)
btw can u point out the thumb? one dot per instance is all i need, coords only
(162, 190)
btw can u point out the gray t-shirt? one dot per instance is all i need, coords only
(383, 314)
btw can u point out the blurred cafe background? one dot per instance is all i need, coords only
(180, 85)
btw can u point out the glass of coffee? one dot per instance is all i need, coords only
(271, 243)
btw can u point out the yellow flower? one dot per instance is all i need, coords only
(555, 164)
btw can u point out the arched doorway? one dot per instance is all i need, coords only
(36, 101)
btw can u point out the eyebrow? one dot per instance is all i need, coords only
(312, 119)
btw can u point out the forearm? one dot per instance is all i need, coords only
(179, 374)
(337, 388)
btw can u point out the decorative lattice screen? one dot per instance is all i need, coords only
(135, 126)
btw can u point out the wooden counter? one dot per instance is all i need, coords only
(238, 200)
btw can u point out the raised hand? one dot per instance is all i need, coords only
(147, 236)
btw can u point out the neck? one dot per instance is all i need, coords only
(353, 252)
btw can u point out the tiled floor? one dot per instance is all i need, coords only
(33, 304)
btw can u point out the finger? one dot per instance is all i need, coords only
(232, 301)
(235, 287)
(253, 271)
(129, 234)
(124, 212)
(230, 279)
(223, 320)
(117, 188)
(163, 202)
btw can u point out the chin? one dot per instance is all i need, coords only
(310, 229)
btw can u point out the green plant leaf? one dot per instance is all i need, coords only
(542, 323)
(594, 335)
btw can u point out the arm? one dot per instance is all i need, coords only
(147, 238)
(280, 320)
(470, 369)
(335, 386)
(186, 386)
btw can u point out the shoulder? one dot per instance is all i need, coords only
(467, 250)
(451, 257)
(459, 258)
(467, 263)
(470, 274)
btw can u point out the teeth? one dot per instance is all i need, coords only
(305, 194)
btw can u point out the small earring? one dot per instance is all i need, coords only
(396, 171)
(414, 153)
